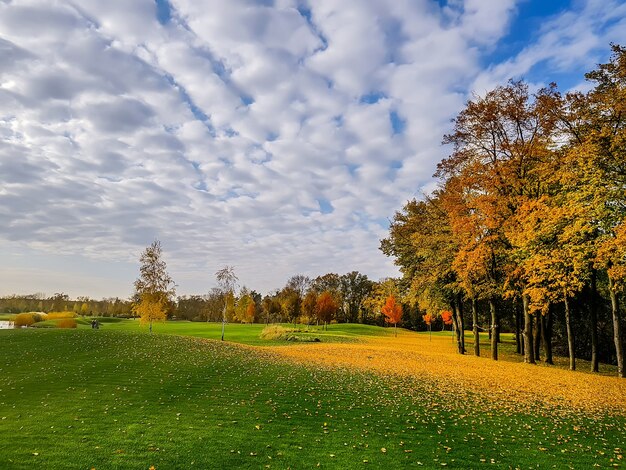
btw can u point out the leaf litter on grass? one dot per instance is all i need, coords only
(503, 386)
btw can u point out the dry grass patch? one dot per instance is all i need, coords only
(280, 333)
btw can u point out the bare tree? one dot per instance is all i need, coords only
(227, 281)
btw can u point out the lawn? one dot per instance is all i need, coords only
(125, 399)
(251, 333)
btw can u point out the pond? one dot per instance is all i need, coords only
(5, 325)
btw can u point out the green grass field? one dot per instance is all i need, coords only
(125, 399)
(245, 334)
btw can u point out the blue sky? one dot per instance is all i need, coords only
(277, 136)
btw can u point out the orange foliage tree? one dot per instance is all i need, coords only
(392, 312)
(446, 317)
(326, 307)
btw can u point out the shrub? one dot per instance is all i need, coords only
(24, 319)
(39, 316)
(66, 323)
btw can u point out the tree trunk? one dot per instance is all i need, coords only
(475, 328)
(521, 326)
(570, 334)
(529, 350)
(455, 323)
(546, 336)
(518, 338)
(617, 329)
(494, 329)
(460, 324)
(593, 315)
(537, 339)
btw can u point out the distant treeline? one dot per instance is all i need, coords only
(355, 299)
(59, 302)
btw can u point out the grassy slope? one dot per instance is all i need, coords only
(123, 399)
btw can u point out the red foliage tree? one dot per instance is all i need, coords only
(326, 307)
(392, 312)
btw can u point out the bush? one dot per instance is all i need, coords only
(24, 319)
(39, 316)
(66, 323)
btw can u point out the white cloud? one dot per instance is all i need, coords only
(232, 131)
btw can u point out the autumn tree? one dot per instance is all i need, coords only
(422, 242)
(154, 288)
(497, 141)
(530, 211)
(446, 317)
(591, 178)
(557, 262)
(393, 312)
(326, 308)
(250, 312)
(291, 303)
(331, 283)
(354, 288)
(242, 304)
(270, 307)
(378, 294)
(309, 305)
(602, 159)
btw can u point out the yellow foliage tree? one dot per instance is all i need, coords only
(154, 289)
(150, 308)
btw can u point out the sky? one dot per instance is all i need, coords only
(276, 136)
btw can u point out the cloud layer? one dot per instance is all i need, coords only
(276, 136)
